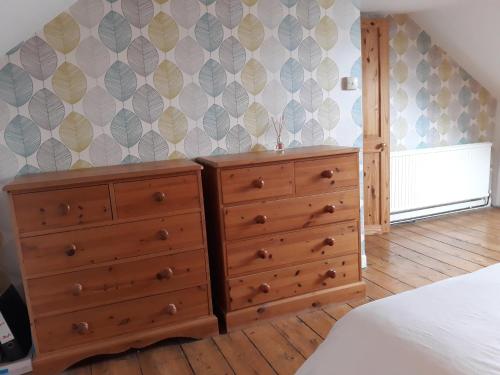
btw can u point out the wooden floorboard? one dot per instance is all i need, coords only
(412, 255)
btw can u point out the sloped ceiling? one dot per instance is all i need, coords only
(467, 30)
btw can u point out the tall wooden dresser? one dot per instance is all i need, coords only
(112, 258)
(283, 230)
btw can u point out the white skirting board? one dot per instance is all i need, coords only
(441, 179)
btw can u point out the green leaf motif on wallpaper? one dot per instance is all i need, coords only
(310, 54)
(76, 132)
(295, 116)
(87, 12)
(46, 109)
(16, 86)
(92, 57)
(38, 58)
(209, 32)
(308, 12)
(168, 79)
(311, 95)
(327, 74)
(212, 78)
(312, 134)
(229, 12)
(274, 98)
(254, 77)
(147, 103)
(256, 119)
(326, 33)
(115, 31)
(292, 75)
(232, 55)
(235, 99)
(63, 33)
(329, 114)
(69, 83)
(22, 136)
(197, 143)
(290, 33)
(153, 147)
(163, 32)
(104, 151)
(251, 32)
(138, 12)
(216, 122)
(126, 128)
(121, 81)
(99, 106)
(142, 56)
(173, 125)
(238, 140)
(53, 156)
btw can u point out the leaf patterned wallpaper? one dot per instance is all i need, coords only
(125, 81)
(434, 102)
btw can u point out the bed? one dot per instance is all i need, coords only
(448, 328)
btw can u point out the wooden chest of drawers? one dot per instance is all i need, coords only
(283, 231)
(112, 258)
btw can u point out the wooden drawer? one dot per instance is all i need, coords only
(67, 250)
(62, 208)
(63, 331)
(243, 184)
(326, 175)
(290, 214)
(282, 249)
(287, 282)
(122, 281)
(157, 196)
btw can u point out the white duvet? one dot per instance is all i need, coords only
(448, 328)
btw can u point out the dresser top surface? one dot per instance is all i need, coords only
(100, 174)
(235, 160)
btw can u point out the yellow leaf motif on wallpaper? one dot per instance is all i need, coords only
(326, 3)
(76, 132)
(168, 79)
(163, 32)
(256, 119)
(483, 120)
(258, 148)
(326, 33)
(251, 32)
(444, 123)
(250, 2)
(69, 83)
(329, 114)
(327, 74)
(484, 96)
(254, 77)
(400, 71)
(63, 33)
(161, 1)
(445, 70)
(444, 97)
(176, 155)
(81, 164)
(173, 125)
(400, 43)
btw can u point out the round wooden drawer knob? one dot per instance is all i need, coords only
(327, 174)
(263, 254)
(261, 219)
(164, 234)
(332, 274)
(259, 183)
(330, 208)
(77, 289)
(165, 274)
(81, 328)
(265, 288)
(65, 208)
(159, 196)
(71, 250)
(329, 241)
(171, 309)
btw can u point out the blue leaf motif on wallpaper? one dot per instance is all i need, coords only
(219, 151)
(115, 31)
(289, 3)
(464, 122)
(8, 163)
(229, 12)
(209, 32)
(312, 133)
(310, 54)
(153, 147)
(22, 136)
(16, 86)
(423, 43)
(147, 103)
(295, 116)
(292, 75)
(130, 159)
(235, 99)
(238, 140)
(46, 109)
(126, 128)
(356, 33)
(138, 12)
(197, 143)
(290, 32)
(357, 112)
(308, 12)
(422, 126)
(423, 98)
(38, 58)
(232, 55)
(53, 156)
(207, 2)
(465, 96)
(423, 71)
(356, 71)
(142, 56)
(28, 169)
(212, 78)
(120, 80)
(216, 122)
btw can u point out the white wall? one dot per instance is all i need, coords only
(496, 164)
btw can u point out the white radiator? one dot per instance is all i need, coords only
(441, 179)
